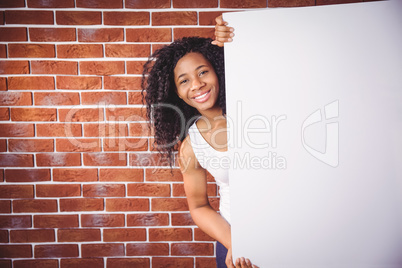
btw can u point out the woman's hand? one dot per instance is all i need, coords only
(223, 33)
(239, 263)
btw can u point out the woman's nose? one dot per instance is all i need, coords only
(196, 83)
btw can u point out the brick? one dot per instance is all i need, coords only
(99, 4)
(30, 145)
(174, 18)
(148, 219)
(147, 4)
(3, 148)
(3, 83)
(16, 191)
(13, 34)
(31, 82)
(243, 3)
(182, 219)
(78, 17)
(163, 174)
(78, 235)
(50, 3)
(122, 83)
(78, 82)
(125, 144)
(127, 204)
(75, 175)
(14, 67)
(81, 204)
(105, 130)
(15, 98)
(91, 98)
(125, 114)
(169, 262)
(170, 234)
(55, 221)
(32, 236)
(52, 34)
(11, 222)
(101, 35)
(16, 160)
(5, 263)
(149, 35)
(2, 18)
(126, 18)
(135, 67)
(121, 174)
(36, 263)
(80, 51)
(5, 116)
(102, 67)
(81, 115)
(201, 32)
(332, 2)
(191, 249)
(56, 98)
(17, 130)
(292, 3)
(124, 234)
(147, 249)
(103, 190)
(33, 114)
(56, 251)
(3, 238)
(31, 51)
(58, 159)
(199, 235)
(58, 130)
(208, 18)
(58, 190)
(3, 51)
(78, 145)
(12, 3)
(5, 206)
(105, 159)
(102, 250)
(169, 204)
(15, 251)
(29, 17)
(148, 189)
(128, 262)
(81, 262)
(54, 67)
(127, 50)
(139, 129)
(147, 160)
(205, 262)
(102, 220)
(27, 175)
(195, 4)
(134, 98)
(34, 205)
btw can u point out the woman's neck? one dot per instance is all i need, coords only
(214, 118)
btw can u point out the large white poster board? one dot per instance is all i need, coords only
(314, 104)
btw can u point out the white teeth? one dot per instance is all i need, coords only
(201, 96)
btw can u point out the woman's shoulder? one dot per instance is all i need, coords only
(187, 159)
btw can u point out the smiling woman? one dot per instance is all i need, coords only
(184, 90)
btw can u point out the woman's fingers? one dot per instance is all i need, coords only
(223, 33)
(219, 20)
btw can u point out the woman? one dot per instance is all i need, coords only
(185, 96)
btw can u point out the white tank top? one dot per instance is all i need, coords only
(216, 163)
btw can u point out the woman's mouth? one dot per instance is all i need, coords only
(203, 98)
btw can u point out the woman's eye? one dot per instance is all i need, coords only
(183, 81)
(203, 72)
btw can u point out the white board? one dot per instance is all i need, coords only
(314, 105)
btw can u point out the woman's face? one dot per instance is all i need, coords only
(196, 81)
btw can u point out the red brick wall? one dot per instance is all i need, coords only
(80, 184)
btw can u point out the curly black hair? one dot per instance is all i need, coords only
(169, 115)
